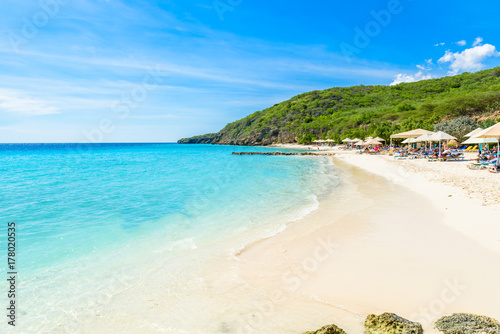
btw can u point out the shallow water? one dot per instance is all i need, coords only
(96, 221)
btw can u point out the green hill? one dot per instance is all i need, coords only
(361, 111)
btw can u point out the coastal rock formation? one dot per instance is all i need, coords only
(329, 329)
(390, 323)
(206, 139)
(463, 323)
(263, 137)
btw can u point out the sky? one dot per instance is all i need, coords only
(156, 71)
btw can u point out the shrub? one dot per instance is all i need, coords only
(458, 127)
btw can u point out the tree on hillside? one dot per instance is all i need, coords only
(458, 127)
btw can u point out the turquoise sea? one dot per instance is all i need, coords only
(93, 220)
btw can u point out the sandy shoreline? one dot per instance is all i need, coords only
(480, 186)
(388, 239)
(416, 242)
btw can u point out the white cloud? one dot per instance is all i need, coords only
(469, 59)
(477, 41)
(17, 102)
(403, 77)
(440, 44)
(429, 61)
(461, 43)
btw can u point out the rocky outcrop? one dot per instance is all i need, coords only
(262, 138)
(196, 140)
(463, 323)
(330, 329)
(390, 323)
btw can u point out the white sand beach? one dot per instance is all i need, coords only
(415, 238)
(419, 239)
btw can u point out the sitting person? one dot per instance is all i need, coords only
(445, 153)
(493, 161)
(484, 157)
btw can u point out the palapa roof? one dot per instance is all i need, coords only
(440, 135)
(491, 132)
(475, 132)
(411, 134)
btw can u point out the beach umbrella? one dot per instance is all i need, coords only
(480, 141)
(439, 137)
(409, 141)
(357, 142)
(330, 141)
(424, 138)
(410, 134)
(492, 132)
(378, 139)
(372, 142)
(473, 133)
(347, 141)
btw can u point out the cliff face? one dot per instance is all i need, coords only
(263, 137)
(204, 140)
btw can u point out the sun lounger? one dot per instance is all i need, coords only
(454, 157)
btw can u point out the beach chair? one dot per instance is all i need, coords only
(455, 157)
(432, 158)
(389, 152)
(402, 156)
(479, 165)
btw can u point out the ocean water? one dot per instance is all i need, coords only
(96, 221)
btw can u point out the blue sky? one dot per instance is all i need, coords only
(139, 71)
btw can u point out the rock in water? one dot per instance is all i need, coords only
(389, 323)
(463, 323)
(329, 329)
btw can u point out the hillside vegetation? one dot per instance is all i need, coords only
(361, 111)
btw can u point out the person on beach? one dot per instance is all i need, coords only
(485, 157)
